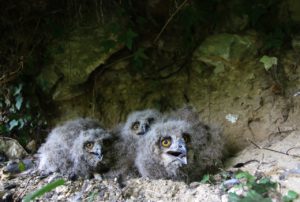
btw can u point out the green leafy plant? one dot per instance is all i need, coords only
(21, 166)
(207, 178)
(256, 189)
(119, 36)
(290, 196)
(251, 196)
(92, 196)
(47, 188)
(268, 61)
(17, 113)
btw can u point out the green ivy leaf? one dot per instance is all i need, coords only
(291, 195)
(21, 123)
(250, 178)
(254, 196)
(27, 105)
(21, 166)
(7, 102)
(205, 179)
(264, 185)
(140, 54)
(127, 38)
(18, 89)
(3, 129)
(19, 101)
(233, 197)
(268, 61)
(13, 123)
(138, 58)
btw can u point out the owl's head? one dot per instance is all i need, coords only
(138, 123)
(170, 142)
(91, 147)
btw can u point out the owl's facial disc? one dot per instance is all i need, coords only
(94, 149)
(140, 128)
(175, 150)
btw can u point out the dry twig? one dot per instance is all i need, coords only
(273, 150)
(26, 187)
(169, 20)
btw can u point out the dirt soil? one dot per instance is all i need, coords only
(278, 158)
(110, 190)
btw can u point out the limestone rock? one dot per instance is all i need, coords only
(220, 49)
(73, 60)
(31, 146)
(11, 148)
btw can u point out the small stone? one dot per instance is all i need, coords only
(194, 185)
(61, 189)
(97, 176)
(31, 146)
(237, 190)
(230, 183)
(12, 149)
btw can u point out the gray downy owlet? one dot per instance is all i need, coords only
(137, 126)
(76, 148)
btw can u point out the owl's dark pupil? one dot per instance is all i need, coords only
(135, 126)
(166, 142)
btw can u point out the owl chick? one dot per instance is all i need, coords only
(76, 148)
(164, 150)
(136, 127)
(207, 144)
(138, 123)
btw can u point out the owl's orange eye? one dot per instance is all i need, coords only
(166, 142)
(135, 126)
(89, 145)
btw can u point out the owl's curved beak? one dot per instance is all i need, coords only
(99, 155)
(179, 151)
(97, 151)
(179, 155)
(144, 128)
(183, 159)
(141, 133)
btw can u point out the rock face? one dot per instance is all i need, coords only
(222, 50)
(225, 82)
(72, 61)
